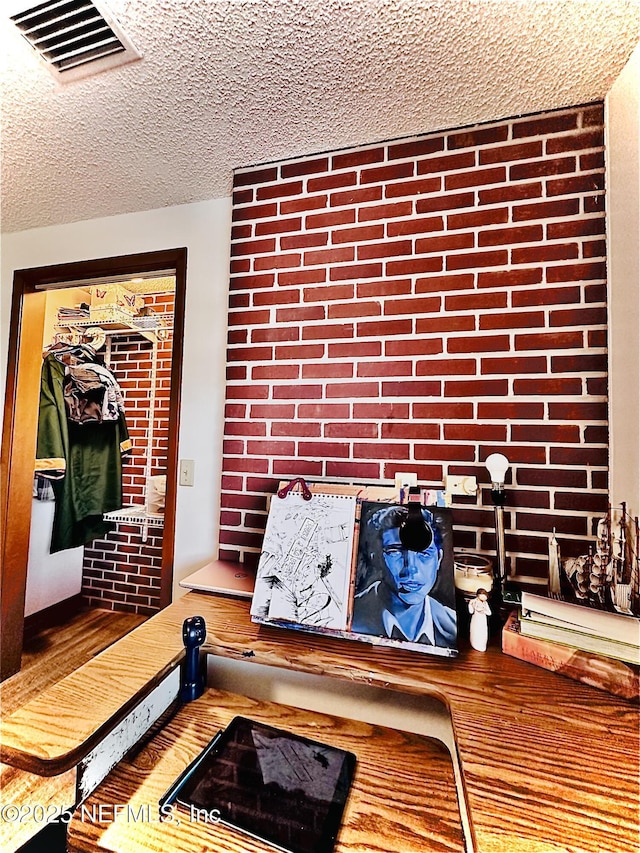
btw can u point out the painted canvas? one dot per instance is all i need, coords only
(304, 571)
(404, 587)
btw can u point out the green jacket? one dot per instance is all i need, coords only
(83, 461)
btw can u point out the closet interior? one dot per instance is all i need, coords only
(101, 462)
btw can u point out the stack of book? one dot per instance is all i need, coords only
(595, 647)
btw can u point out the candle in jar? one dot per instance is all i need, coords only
(471, 580)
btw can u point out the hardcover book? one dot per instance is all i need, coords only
(586, 642)
(604, 673)
(583, 619)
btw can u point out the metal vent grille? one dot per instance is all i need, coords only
(75, 38)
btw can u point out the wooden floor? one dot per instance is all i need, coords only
(55, 652)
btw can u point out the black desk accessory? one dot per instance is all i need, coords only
(169, 797)
(415, 534)
(194, 633)
(274, 785)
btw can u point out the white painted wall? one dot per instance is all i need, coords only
(622, 123)
(50, 577)
(204, 228)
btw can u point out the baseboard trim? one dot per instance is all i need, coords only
(55, 614)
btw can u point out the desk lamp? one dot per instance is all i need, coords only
(497, 466)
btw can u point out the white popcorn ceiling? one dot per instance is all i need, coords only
(231, 83)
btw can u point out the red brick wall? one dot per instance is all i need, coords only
(121, 572)
(415, 306)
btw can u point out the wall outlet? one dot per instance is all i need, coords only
(454, 485)
(186, 472)
(403, 479)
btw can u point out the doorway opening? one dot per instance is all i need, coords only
(129, 311)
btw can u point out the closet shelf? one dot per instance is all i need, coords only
(150, 327)
(134, 515)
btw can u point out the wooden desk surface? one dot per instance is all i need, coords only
(53, 731)
(549, 764)
(403, 795)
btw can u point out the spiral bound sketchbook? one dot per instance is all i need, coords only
(304, 572)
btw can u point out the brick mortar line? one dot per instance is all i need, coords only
(509, 181)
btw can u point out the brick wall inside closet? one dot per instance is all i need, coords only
(122, 572)
(414, 306)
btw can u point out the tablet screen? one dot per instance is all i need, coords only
(281, 788)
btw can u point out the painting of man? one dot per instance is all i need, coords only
(404, 583)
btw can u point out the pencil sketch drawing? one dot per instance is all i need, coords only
(304, 570)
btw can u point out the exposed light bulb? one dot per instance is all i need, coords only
(497, 466)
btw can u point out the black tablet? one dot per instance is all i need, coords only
(279, 787)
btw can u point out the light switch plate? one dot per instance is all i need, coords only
(186, 472)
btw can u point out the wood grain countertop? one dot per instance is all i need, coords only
(548, 764)
(403, 795)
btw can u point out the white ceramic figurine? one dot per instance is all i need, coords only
(479, 628)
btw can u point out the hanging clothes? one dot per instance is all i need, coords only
(112, 400)
(82, 459)
(42, 488)
(84, 395)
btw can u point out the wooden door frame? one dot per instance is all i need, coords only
(21, 422)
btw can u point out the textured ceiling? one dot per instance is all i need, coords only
(227, 83)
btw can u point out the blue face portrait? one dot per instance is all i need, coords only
(410, 574)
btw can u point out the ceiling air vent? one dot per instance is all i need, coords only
(75, 38)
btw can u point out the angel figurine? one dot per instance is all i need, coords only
(479, 628)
